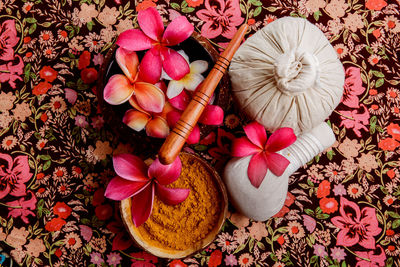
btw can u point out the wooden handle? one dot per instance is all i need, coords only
(177, 138)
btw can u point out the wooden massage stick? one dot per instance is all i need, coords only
(177, 137)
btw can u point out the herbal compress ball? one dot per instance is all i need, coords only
(287, 75)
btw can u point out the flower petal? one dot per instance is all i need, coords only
(198, 66)
(347, 238)
(256, 133)
(180, 101)
(257, 169)
(242, 147)
(368, 218)
(164, 76)
(142, 205)
(135, 119)
(177, 31)
(121, 241)
(194, 136)
(120, 189)
(117, 90)
(350, 211)
(151, 23)
(367, 241)
(167, 108)
(4, 192)
(174, 64)
(192, 80)
(277, 163)
(151, 66)
(165, 174)
(157, 127)
(212, 115)
(340, 222)
(134, 40)
(149, 97)
(280, 139)
(135, 104)
(128, 61)
(171, 196)
(130, 167)
(172, 118)
(175, 88)
(161, 84)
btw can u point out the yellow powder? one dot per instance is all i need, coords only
(181, 226)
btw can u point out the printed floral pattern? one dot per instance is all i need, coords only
(56, 148)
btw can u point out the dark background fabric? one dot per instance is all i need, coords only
(56, 145)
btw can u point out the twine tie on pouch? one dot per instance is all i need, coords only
(296, 71)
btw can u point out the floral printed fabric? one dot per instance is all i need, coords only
(55, 147)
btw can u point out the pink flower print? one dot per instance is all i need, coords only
(221, 17)
(13, 175)
(358, 121)
(319, 250)
(377, 258)
(309, 222)
(352, 87)
(8, 39)
(22, 207)
(10, 72)
(356, 226)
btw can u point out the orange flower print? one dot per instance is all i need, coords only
(48, 74)
(215, 258)
(194, 3)
(55, 224)
(177, 263)
(375, 4)
(376, 33)
(328, 205)
(41, 88)
(61, 209)
(392, 173)
(388, 144)
(394, 131)
(144, 5)
(84, 60)
(324, 189)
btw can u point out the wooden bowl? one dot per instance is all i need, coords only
(196, 47)
(165, 252)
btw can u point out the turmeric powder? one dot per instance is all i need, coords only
(181, 226)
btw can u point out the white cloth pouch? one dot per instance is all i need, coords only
(264, 202)
(287, 75)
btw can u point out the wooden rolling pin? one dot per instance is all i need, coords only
(177, 137)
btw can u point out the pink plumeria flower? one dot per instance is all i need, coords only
(212, 115)
(190, 81)
(153, 36)
(263, 150)
(120, 88)
(137, 181)
(155, 123)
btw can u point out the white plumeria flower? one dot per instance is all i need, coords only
(190, 81)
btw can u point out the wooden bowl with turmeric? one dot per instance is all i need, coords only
(184, 229)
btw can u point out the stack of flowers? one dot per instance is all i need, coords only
(155, 106)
